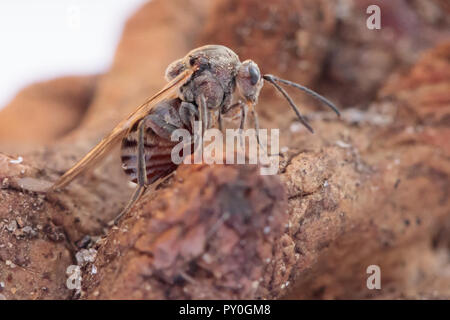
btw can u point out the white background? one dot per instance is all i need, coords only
(44, 39)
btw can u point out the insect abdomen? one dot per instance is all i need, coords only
(157, 149)
(157, 156)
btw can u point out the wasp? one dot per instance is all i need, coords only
(205, 85)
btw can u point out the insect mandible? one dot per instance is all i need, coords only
(206, 84)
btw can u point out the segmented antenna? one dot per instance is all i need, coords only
(273, 80)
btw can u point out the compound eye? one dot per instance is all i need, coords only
(192, 61)
(254, 74)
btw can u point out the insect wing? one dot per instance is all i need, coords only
(116, 135)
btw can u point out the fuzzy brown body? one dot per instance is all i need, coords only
(214, 80)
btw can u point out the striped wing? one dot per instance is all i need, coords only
(92, 157)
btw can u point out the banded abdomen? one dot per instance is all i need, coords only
(158, 126)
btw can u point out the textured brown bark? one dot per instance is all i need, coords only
(209, 235)
(370, 188)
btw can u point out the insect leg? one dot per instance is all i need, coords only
(243, 121)
(160, 125)
(243, 116)
(256, 123)
(141, 173)
(220, 122)
(235, 105)
(188, 113)
(226, 109)
(137, 194)
(203, 113)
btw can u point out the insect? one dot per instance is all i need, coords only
(205, 85)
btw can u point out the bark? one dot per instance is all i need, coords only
(370, 188)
